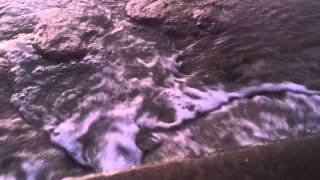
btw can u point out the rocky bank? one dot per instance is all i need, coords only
(104, 85)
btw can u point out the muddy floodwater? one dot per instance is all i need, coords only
(102, 85)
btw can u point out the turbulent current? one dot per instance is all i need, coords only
(103, 85)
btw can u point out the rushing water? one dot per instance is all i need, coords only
(97, 83)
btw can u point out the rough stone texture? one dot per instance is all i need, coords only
(271, 48)
(91, 75)
(243, 42)
(16, 20)
(156, 11)
(294, 159)
(26, 152)
(181, 20)
(240, 123)
(63, 33)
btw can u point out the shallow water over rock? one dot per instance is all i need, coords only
(117, 83)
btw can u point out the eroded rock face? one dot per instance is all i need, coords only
(180, 20)
(115, 84)
(64, 33)
(156, 11)
(15, 19)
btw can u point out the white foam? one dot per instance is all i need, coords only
(7, 177)
(187, 107)
(67, 134)
(244, 138)
(31, 169)
(272, 123)
(126, 110)
(110, 158)
(107, 156)
(243, 127)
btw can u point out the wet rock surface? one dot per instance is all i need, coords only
(241, 123)
(26, 152)
(15, 19)
(63, 33)
(183, 21)
(282, 50)
(111, 84)
(293, 159)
